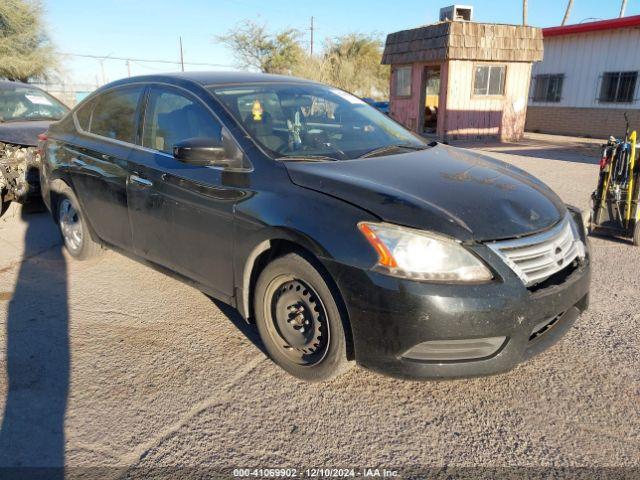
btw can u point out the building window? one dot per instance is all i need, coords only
(489, 80)
(618, 87)
(547, 88)
(403, 81)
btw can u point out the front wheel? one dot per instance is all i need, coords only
(74, 228)
(299, 320)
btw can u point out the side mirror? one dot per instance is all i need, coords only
(201, 151)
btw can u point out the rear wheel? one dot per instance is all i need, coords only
(74, 228)
(299, 320)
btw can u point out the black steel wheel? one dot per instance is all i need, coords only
(299, 320)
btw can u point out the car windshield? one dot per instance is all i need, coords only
(314, 122)
(21, 103)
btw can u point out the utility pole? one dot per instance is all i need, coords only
(311, 44)
(181, 55)
(104, 78)
(567, 12)
(524, 12)
(623, 7)
(128, 67)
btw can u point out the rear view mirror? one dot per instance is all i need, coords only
(200, 151)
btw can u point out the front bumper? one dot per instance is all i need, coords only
(391, 316)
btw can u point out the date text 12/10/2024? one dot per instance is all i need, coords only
(315, 472)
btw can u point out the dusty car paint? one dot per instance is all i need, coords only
(491, 200)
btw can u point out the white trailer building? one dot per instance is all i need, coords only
(587, 80)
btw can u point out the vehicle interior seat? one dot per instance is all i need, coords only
(189, 121)
(263, 130)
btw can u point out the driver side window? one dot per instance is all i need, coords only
(172, 117)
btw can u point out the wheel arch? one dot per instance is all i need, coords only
(56, 188)
(274, 247)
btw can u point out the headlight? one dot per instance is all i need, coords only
(408, 253)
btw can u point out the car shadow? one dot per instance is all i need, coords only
(32, 439)
(249, 330)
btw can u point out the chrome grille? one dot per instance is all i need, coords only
(536, 257)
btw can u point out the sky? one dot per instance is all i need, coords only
(150, 29)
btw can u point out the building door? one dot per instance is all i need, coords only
(431, 96)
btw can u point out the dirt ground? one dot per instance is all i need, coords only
(109, 363)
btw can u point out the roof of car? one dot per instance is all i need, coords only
(216, 78)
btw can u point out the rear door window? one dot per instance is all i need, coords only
(83, 115)
(115, 114)
(172, 117)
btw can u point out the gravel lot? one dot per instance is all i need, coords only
(109, 363)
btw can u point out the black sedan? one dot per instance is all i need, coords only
(342, 235)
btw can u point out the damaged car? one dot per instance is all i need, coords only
(341, 234)
(25, 113)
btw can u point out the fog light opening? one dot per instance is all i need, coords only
(455, 350)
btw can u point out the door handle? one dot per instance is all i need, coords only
(140, 180)
(78, 162)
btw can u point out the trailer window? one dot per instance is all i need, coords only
(547, 88)
(618, 87)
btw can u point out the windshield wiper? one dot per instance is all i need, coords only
(388, 148)
(307, 158)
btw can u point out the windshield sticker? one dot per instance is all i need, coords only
(349, 98)
(256, 111)
(38, 100)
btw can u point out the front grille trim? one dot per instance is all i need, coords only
(537, 257)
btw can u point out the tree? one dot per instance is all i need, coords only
(350, 62)
(25, 50)
(353, 63)
(567, 11)
(254, 47)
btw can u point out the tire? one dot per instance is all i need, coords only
(73, 226)
(299, 320)
(636, 234)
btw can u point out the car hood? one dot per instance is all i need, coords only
(443, 189)
(23, 133)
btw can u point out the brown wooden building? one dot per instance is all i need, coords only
(459, 79)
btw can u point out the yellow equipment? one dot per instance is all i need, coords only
(615, 201)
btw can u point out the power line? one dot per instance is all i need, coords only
(148, 60)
